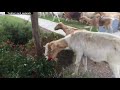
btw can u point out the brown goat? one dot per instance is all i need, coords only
(106, 22)
(94, 22)
(99, 20)
(66, 29)
(72, 15)
(109, 14)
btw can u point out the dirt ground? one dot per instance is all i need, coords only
(95, 70)
(99, 70)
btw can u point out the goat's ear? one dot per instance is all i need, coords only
(61, 45)
(52, 46)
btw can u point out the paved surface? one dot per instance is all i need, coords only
(43, 23)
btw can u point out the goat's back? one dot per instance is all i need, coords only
(95, 38)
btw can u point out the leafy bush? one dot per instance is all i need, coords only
(14, 65)
(15, 29)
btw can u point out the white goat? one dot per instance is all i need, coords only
(2, 13)
(42, 14)
(58, 15)
(95, 45)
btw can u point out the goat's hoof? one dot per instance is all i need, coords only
(73, 74)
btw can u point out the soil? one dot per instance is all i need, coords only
(96, 70)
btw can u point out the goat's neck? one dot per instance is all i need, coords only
(65, 28)
(62, 43)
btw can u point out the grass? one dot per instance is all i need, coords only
(72, 23)
(15, 29)
(12, 19)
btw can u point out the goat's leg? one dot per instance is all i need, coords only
(66, 19)
(119, 26)
(84, 59)
(87, 23)
(53, 18)
(77, 63)
(107, 29)
(58, 18)
(43, 14)
(91, 28)
(97, 29)
(111, 29)
(116, 70)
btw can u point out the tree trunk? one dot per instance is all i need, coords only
(36, 34)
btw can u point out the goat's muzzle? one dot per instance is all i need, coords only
(56, 28)
(50, 58)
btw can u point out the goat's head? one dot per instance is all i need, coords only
(52, 49)
(105, 21)
(59, 26)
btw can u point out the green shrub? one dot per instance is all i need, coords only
(14, 65)
(15, 29)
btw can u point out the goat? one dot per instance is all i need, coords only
(92, 22)
(57, 14)
(72, 15)
(109, 14)
(66, 29)
(106, 22)
(43, 14)
(97, 46)
(99, 21)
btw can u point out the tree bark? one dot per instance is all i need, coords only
(36, 34)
